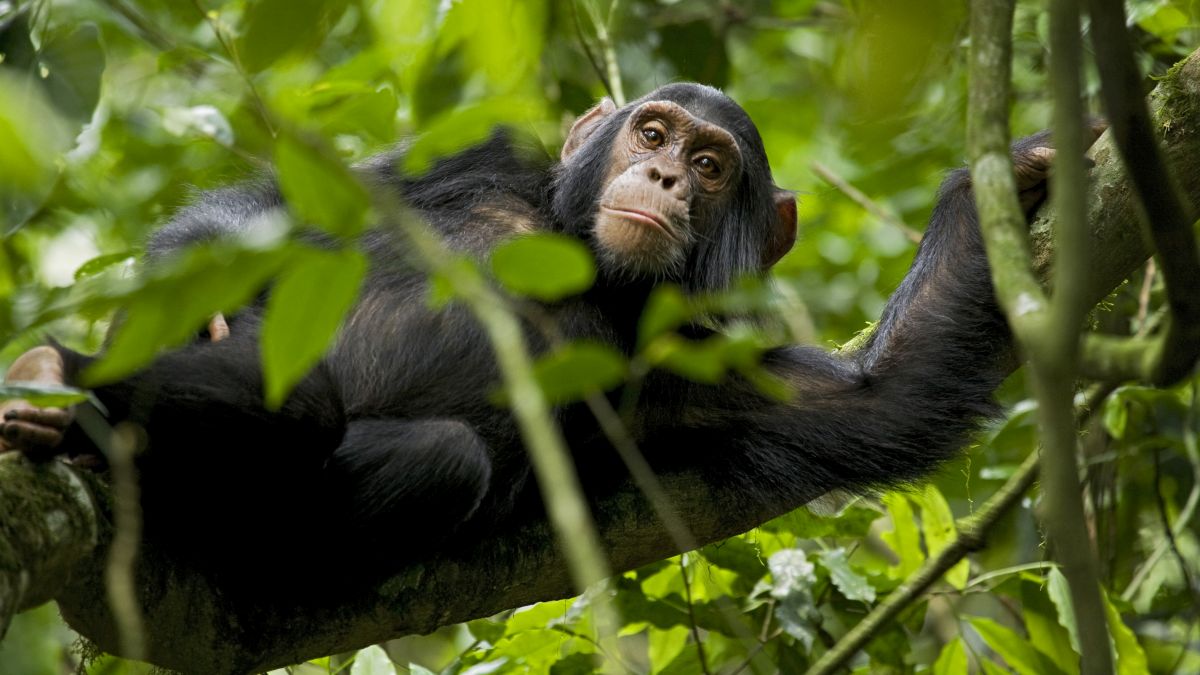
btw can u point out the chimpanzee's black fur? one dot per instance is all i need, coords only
(393, 436)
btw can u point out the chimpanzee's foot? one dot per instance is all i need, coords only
(37, 432)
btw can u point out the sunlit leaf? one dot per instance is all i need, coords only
(544, 266)
(937, 524)
(1060, 595)
(307, 305)
(665, 646)
(1013, 648)
(1131, 658)
(904, 539)
(1045, 632)
(372, 661)
(952, 660)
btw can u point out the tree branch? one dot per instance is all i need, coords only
(193, 627)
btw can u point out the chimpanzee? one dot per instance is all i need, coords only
(394, 434)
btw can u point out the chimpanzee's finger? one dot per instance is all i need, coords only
(31, 438)
(57, 418)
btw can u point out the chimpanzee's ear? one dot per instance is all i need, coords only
(586, 124)
(783, 229)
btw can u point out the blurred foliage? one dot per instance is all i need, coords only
(114, 112)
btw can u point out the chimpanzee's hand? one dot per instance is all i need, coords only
(1032, 158)
(37, 432)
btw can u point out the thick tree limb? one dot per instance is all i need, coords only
(194, 627)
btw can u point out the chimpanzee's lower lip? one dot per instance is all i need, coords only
(640, 216)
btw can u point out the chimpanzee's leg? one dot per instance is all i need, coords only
(407, 483)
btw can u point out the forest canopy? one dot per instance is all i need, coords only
(115, 113)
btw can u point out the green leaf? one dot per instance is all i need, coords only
(318, 187)
(736, 555)
(574, 370)
(575, 664)
(952, 660)
(850, 583)
(852, 521)
(665, 646)
(274, 28)
(307, 305)
(1131, 658)
(372, 661)
(32, 136)
(487, 630)
(73, 64)
(1013, 648)
(544, 266)
(1045, 633)
(100, 263)
(203, 281)
(937, 523)
(904, 539)
(1060, 595)
(44, 395)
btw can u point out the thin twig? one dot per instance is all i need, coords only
(213, 21)
(869, 205)
(972, 536)
(687, 591)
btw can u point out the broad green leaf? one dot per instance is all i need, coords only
(372, 661)
(952, 660)
(487, 630)
(1013, 648)
(686, 662)
(537, 616)
(736, 555)
(850, 583)
(937, 523)
(544, 266)
(177, 300)
(536, 648)
(579, 663)
(1045, 632)
(72, 64)
(44, 396)
(32, 135)
(904, 538)
(100, 263)
(1060, 595)
(665, 646)
(318, 187)
(274, 28)
(853, 521)
(1131, 658)
(307, 305)
(571, 372)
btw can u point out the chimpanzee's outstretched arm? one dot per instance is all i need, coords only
(893, 409)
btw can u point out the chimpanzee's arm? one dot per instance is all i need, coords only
(892, 410)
